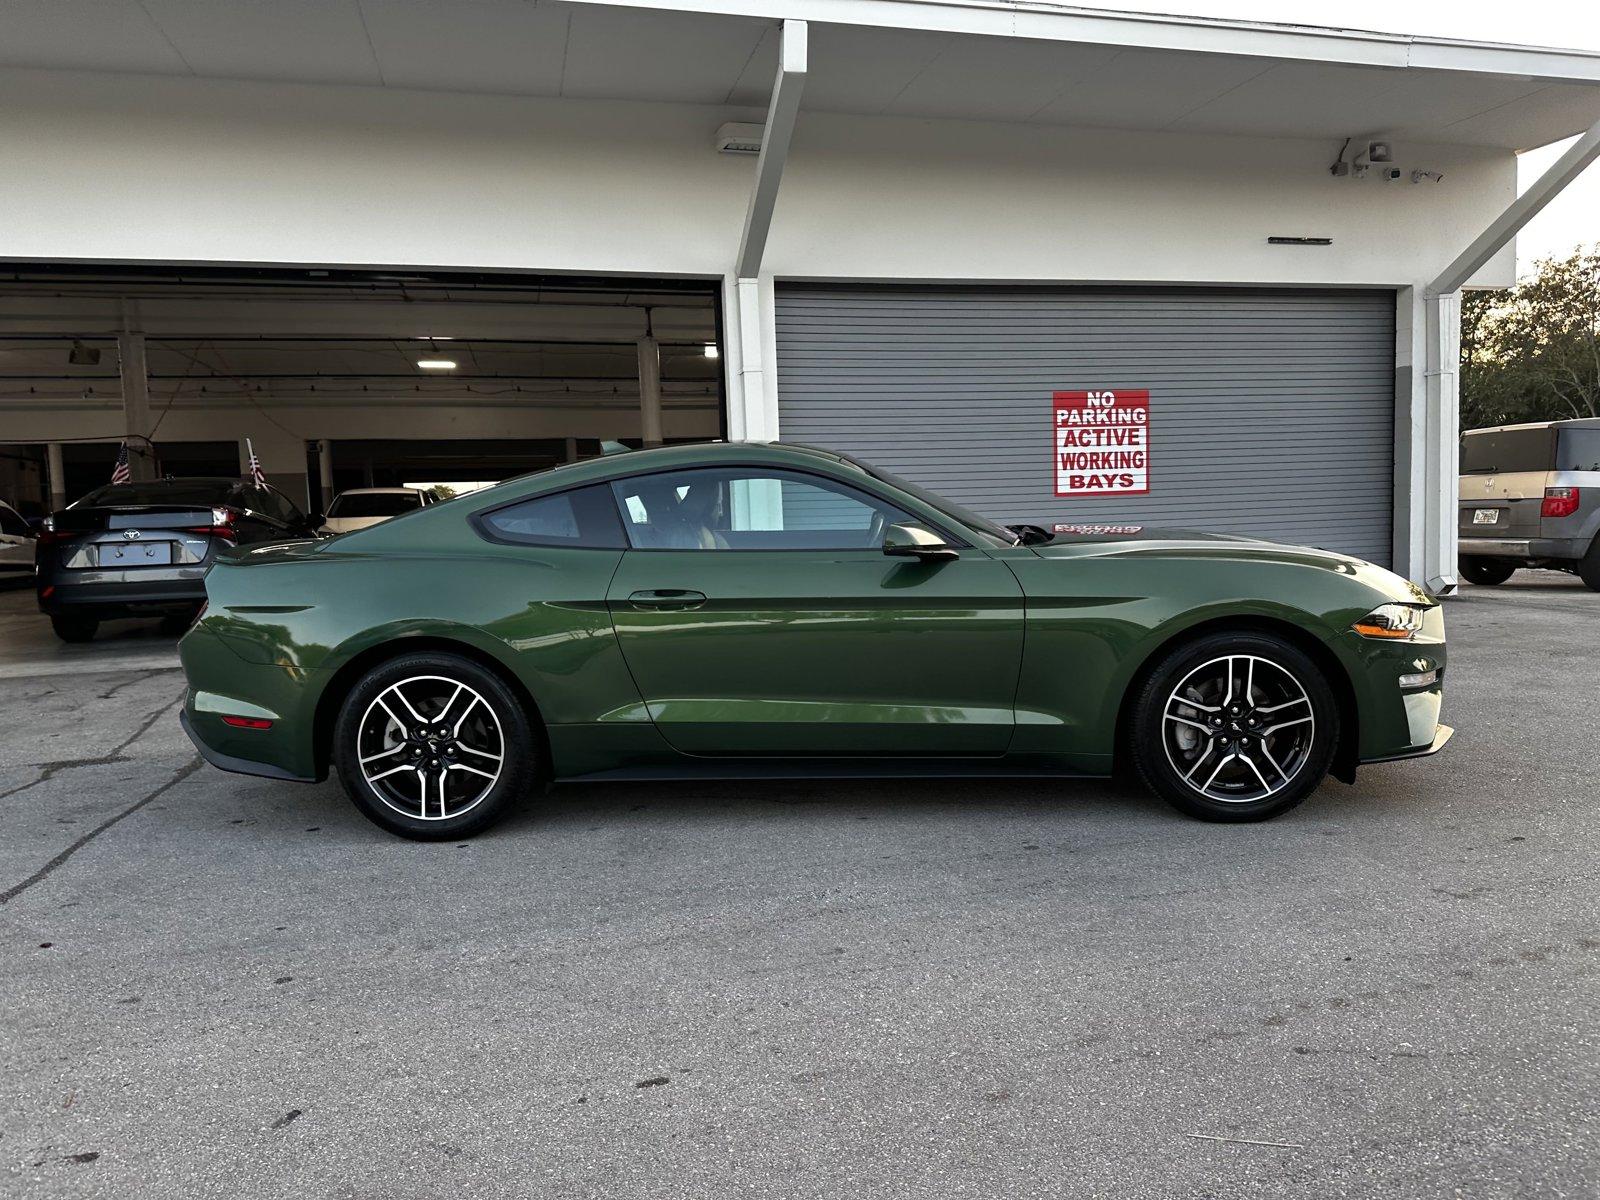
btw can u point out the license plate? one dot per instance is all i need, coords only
(137, 554)
(1486, 516)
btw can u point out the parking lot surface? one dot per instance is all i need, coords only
(221, 986)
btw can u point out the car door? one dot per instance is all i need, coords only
(16, 541)
(759, 616)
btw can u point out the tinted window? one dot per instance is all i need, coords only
(750, 509)
(201, 493)
(374, 504)
(1578, 450)
(12, 524)
(1494, 452)
(583, 519)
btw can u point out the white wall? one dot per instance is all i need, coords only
(135, 167)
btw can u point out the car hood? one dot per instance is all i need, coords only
(1138, 541)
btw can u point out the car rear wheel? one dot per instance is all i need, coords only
(1235, 727)
(434, 746)
(74, 629)
(1589, 567)
(1486, 571)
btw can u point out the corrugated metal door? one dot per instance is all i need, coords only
(1271, 412)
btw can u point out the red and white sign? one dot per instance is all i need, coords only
(1102, 443)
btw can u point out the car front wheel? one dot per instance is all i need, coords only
(1235, 727)
(434, 746)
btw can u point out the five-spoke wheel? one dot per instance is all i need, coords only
(1235, 727)
(433, 746)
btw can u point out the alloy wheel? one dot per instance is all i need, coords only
(430, 747)
(1238, 729)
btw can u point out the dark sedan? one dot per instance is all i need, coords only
(142, 549)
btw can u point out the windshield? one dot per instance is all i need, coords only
(374, 504)
(965, 516)
(198, 493)
(1497, 451)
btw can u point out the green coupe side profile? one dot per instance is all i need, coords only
(781, 611)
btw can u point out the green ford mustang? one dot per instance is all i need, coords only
(765, 611)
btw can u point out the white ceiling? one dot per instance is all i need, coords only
(532, 48)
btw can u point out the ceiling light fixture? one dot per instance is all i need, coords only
(712, 351)
(437, 364)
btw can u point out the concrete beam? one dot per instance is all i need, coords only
(134, 374)
(1521, 210)
(782, 110)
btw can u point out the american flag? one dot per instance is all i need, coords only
(120, 472)
(256, 477)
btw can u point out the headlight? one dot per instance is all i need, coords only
(1391, 622)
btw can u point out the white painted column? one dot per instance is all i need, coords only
(57, 471)
(1410, 433)
(1441, 469)
(650, 391)
(752, 381)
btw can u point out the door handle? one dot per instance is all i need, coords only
(660, 598)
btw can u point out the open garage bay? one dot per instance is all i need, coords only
(231, 987)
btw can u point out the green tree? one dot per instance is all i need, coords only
(1532, 352)
(441, 491)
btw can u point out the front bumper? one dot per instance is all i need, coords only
(1444, 734)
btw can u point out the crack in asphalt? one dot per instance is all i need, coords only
(45, 871)
(51, 770)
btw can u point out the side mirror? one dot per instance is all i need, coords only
(916, 541)
(314, 521)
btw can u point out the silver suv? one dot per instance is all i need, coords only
(1530, 497)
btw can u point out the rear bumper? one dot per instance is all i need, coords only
(107, 598)
(239, 766)
(1478, 547)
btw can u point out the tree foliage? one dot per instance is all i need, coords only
(1532, 352)
(441, 491)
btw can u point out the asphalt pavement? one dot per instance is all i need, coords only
(221, 986)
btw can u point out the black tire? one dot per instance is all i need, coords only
(1486, 571)
(74, 629)
(1589, 567)
(1193, 739)
(427, 678)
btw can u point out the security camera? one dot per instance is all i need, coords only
(1419, 176)
(1391, 174)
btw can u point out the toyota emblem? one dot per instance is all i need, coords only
(131, 535)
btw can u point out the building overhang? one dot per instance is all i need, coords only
(983, 60)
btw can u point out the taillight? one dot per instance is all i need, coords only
(223, 521)
(49, 537)
(1559, 502)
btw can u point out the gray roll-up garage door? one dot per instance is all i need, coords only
(1271, 412)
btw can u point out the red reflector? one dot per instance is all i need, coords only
(247, 722)
(47, 591)
(1559, 502)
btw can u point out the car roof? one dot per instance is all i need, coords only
(404, 491)
(1568, 423)
(683, 457)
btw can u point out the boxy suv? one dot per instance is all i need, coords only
(1530, 497)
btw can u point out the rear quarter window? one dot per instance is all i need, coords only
(585, 519)
(1578, 450)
